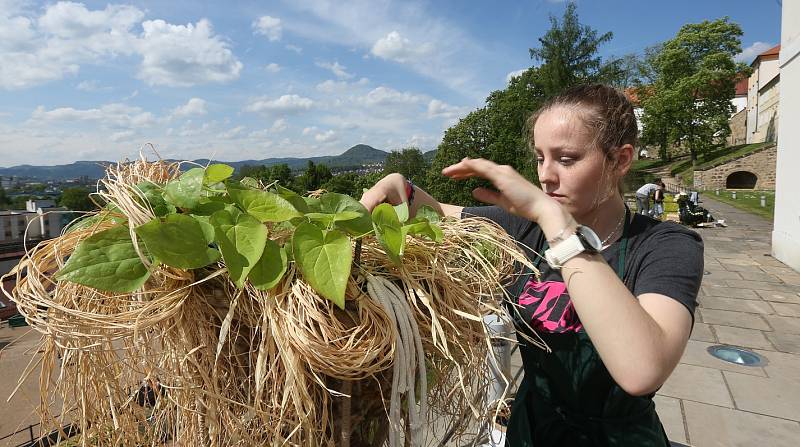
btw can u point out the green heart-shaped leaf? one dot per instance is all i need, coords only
(270, 268)
(425, 228)
(216, 173)
(265, 206)
(179, 241)
(429, 214)
(389, 231)
(344, 205)
(153, 194)
(241, 238)
(106, 261)
(402, 211)
(187, 190)
(325, 260)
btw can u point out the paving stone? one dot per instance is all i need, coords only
(739, 268)
(736, 319)
(785, 342)
(699, 384)
(787, 309)
(748, 338)
(696, 353)
(750, 306)
(722, 274)
(671, 415)
(702, 332)
(709, 425)
(789, 325)
(793, 280)
(743, 260)
(753, 275)
(755, 285)
(773, 396)
(778, 270)
(781, 364)
(730, 292)
(774, 296)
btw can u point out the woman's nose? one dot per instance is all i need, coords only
(547, 172)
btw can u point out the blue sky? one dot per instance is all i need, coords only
(241, 80)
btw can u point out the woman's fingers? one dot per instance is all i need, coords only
(471, 167)
(487, 196)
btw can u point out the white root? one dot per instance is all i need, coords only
(408, 351)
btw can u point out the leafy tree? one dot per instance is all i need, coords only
(569, 54)
(689, 103)
(313, 177)
(4, 199)
(343, 184)
(76, 199)
(409, 161)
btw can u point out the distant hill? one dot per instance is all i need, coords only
(358, 155)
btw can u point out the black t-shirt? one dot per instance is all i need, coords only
(661, 257)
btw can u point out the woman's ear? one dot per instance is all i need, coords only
(623, 159)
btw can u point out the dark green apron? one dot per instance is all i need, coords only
(568, 398)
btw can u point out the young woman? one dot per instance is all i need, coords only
(616, 296)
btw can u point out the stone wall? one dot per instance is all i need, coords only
(738, 123)
(761, 163)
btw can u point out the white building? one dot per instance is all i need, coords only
(766, 69)
(786, 231)
(41, 220)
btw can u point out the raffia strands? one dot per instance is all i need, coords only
(191, 360)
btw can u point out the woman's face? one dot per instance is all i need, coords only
(571, 169)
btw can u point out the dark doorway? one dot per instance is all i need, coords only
(741, 180)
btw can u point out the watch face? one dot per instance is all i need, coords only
(590, 237)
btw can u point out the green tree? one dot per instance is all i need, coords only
(689, 103)
(313, 177)
(343, 184)
(76, 199)
(569, 54)
(4, 199)
(409, 161)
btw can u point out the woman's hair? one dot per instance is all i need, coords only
(605, 111)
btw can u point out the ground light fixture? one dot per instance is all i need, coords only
(738, 356)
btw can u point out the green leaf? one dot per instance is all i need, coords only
(402, 211)
(313, 204)
(425, 228)
(91, 220)
(389, 231)
(186, 190)
(295, 199)
(265, 206)
(339, 204)
(429, 214)
(209, 206)
(179, 241)
(270, 268)
(216, 173)
(106, 261)
(153, 194)
(325, 260)
(241, 240)
(250, 182)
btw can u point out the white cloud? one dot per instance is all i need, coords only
(749, 54)
(279, 125)
(339, 70)
(110, 115)
(309, 130)
(185, 55)
(514, 74)
(440, 109)
(272, 67)
(331, 86)
(67, 35)
(232, 133)
(269, 27)
(294, 48)
(88, 86)
(194, 106)
(124, 135)
(326, 137)
(284, 104)
(387, 96)
(397, 48)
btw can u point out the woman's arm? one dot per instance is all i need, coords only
(392, 189)
(640, 339)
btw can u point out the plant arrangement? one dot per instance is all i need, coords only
(200, 310)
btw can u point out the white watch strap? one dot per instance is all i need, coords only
(564, 251)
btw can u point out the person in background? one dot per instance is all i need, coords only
(615, 295)
(643, 197)
(658, 201)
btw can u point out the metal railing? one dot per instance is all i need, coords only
(51, 439)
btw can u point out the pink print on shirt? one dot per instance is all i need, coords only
(550, 307)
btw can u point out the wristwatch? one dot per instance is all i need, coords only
(584, 240)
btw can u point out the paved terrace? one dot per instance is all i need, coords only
(751, 300)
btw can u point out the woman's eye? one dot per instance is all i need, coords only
(566, 160)
(539, 159)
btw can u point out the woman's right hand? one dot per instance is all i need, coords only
(391, 188)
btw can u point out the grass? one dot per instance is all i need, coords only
(714, 158)
(747, 200)
(641, 165)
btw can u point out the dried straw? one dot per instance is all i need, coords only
(193, 360)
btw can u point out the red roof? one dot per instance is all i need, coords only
(741, 87)
(774, 51)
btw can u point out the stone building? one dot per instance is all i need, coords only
(762, 96)
(755, 170)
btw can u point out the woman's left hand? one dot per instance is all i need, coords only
(514, 193)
